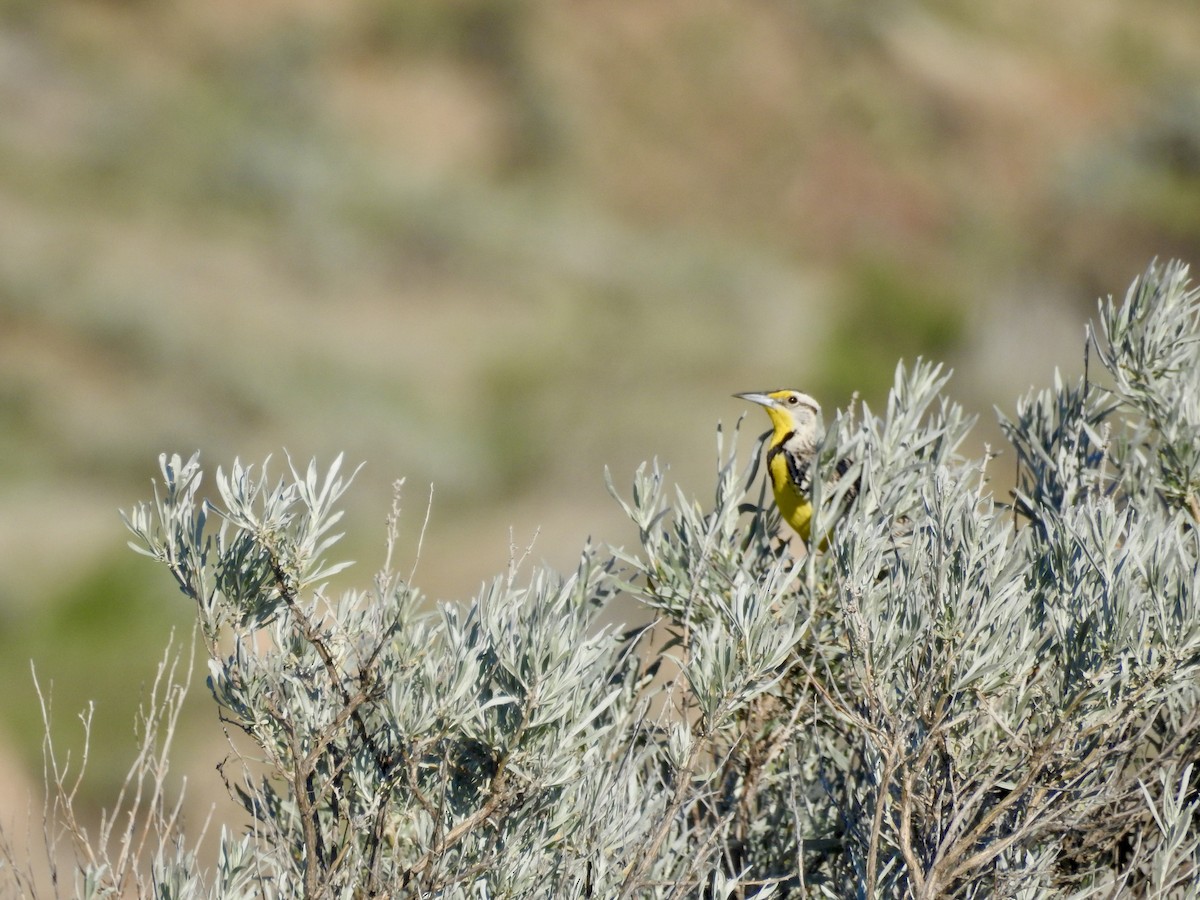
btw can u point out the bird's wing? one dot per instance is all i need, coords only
(840, 469)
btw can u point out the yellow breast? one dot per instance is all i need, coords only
(795, 508)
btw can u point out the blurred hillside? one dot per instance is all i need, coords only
(496, 245)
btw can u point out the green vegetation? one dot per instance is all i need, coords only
(101, 625)
(884, 311)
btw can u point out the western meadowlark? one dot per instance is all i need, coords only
(792, 452)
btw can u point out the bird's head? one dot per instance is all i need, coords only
(790, 411)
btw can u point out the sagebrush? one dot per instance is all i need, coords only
(963, 695)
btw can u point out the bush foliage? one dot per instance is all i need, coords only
(956, 697)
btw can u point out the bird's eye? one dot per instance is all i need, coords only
(793, 400)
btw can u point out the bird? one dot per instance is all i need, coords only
(798, 430)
